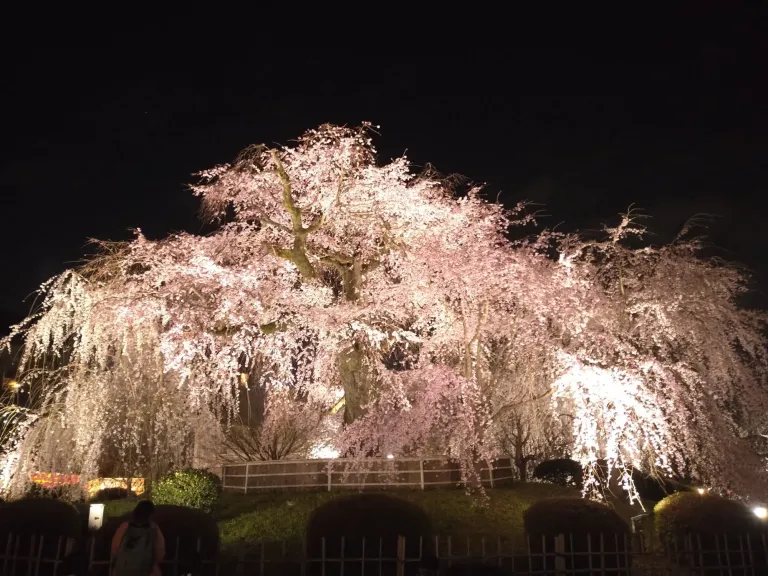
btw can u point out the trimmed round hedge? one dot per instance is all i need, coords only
(692, 513)
(709, 523)
(190, 487)
(369, 516)
(656, 489)
(41, 516)
(553, 516)
(57, 521)
(106, 494)
(562, 471)
(588, 528)
(69, 493)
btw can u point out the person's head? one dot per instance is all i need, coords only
(143, 512)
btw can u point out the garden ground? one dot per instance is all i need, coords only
(244, 520)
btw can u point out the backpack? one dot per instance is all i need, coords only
(136, 555)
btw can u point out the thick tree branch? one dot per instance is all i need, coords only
(271, 328)
(298, 253)
(351, 269)
(371, 265)
(276, 250)
(336, 258)
(333, 263)
(288, 203)
(264, 219)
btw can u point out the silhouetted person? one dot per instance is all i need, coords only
(138, 546)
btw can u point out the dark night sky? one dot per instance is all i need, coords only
(103, 122)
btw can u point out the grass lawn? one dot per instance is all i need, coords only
(244, 520)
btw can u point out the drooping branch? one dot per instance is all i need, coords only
(512, 405)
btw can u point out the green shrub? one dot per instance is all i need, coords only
(34, 490)
(704, 523)
(586, 527)
(553, 516)
(373, 516)
(692, 513)
(41, 516)
(190, 487)
(655, 489)
(562, 471)
(106, 494)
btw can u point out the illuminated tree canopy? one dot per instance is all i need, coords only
(333, 276)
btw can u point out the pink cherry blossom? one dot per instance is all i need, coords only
(333, 275)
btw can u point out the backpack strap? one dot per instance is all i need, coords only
(116, 553)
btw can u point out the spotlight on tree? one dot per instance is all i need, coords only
(334, 275)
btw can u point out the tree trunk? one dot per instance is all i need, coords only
(355, 378)
(521, 461)
(354, 371)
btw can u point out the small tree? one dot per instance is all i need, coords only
(277, 433)
(517, 437)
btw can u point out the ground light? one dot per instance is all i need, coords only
(701, 490)
(390, 456)
(761, 512)
(13, 385)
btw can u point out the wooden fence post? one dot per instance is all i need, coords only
(400, 555)
(322, 554)
(7, 554)
(245, 488)
(39, 554)
(330, 473)
(560, 554)
(490, 471)
(421, 472)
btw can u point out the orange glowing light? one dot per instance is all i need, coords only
(54, 480)
(13, 385)
(95, 486)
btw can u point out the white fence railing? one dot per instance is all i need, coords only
(367, 474)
